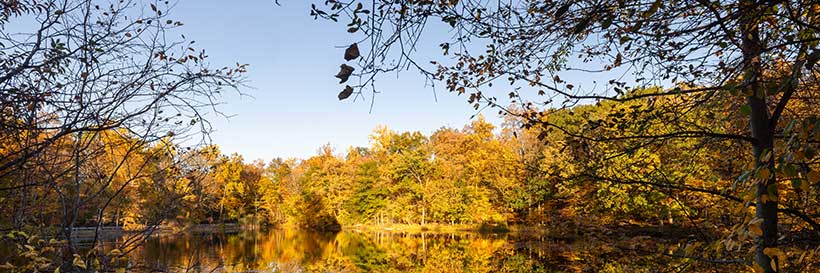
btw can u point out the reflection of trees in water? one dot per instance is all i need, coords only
(302, 251)
(193, 253)
(286, 251)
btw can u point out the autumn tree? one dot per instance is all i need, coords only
(95, 96)
(757, 57)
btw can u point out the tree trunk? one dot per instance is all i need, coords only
(766, 192)
(766, 187)
(423, 214)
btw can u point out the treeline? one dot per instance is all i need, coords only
(466, 176)
(601, 167)
(479, 176)
(475, 175)
(483, 175)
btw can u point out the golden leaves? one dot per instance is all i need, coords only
(755, 227)
(764, 174)
(777, 255)
(813, 176)
(78, 262)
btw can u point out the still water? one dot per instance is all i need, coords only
(350, 251)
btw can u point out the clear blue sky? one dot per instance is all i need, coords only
(293, 58)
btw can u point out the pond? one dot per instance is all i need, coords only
(359, 251)
(348, 251)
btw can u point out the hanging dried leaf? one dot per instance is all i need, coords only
(346, 93)
(352, 52)
(344, 73)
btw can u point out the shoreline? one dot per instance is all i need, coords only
(434, 228)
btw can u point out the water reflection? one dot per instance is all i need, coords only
(349, 251)
(304, 251)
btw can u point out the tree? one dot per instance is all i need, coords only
(409, 168)
(93, 97)
(758, 57)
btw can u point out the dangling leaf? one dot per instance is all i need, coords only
(352, 52)
(344, 73)
(78, 262)
(346, 93)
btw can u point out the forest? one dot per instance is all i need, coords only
(681, 132)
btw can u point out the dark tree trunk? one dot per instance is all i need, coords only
(762, 133)
(766, 208)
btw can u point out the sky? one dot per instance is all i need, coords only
(291, 108)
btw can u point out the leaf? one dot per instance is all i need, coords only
(799, 185)
(758, 268)
(607, 22)
(764, 174)
(562, 10)
(352, 52)
(812, 59)
(346, 92)
(774, 252)
(344, 72)
(746, 110)
(581, 26)
(790, 170)
(814, 177)
(772, 191)
(78, 262)
(754, 227)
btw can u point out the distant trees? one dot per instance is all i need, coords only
(749, 62)
(403, 178)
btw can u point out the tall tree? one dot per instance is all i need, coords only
(765, 52)
(93, 95)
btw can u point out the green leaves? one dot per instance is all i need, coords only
(746, 110)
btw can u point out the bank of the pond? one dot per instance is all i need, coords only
(165, 230)
(432, 228)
